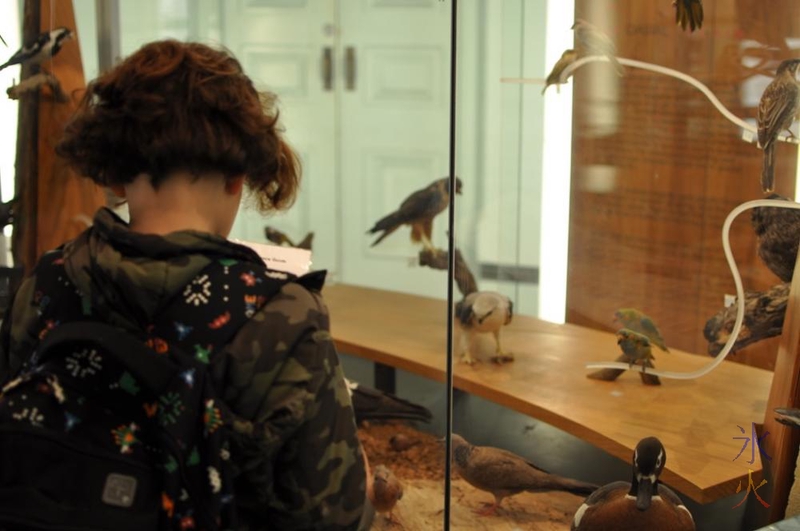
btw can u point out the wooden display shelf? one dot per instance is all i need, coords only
(697, 420)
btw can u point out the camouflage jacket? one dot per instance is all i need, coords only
(298, 460)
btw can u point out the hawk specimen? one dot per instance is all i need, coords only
(418, 211)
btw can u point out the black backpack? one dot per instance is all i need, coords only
(106, 430)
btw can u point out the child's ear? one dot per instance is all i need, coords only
(234, 185)
(118, 189)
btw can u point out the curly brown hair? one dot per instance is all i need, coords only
(175, 106)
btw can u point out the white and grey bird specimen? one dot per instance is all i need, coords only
(46, 45)
(484, 312)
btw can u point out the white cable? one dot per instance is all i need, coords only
(678, 75)
(737, 279)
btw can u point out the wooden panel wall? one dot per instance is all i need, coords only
(656, 168)
(54, 199)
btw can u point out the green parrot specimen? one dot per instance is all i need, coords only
(636, 348)
(633, 319)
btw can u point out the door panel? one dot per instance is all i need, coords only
(394, 134)
(281, 44)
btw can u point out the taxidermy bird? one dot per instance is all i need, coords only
(594, 41)
(371, 404)
(633, 319)
(689, 13)
(46, 45)
(8, 211)
(386, 490)
(417, 211)
(279, 238)
(777, 233)
(636, 348)
(644, 504)
(484, 312)
(788, 416)
(504, 473)
(776, 111)
(567, 58)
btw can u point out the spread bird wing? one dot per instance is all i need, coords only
(775, 111)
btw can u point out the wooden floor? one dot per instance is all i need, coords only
(697, 420)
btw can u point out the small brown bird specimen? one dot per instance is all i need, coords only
(504, 473)
(776, 111)
(635, 320)
(566, 59)
(386, 490)
(689, 13)
(402, 442)
(417, 211)
(594, 41)
(777, 232)
(280, 238)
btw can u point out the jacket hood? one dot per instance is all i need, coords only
(130, 276)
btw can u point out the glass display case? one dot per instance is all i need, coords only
(606, 187)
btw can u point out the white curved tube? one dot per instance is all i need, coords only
(678, 75)
(737, 279)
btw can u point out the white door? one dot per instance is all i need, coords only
(394, 129)
(286, 46)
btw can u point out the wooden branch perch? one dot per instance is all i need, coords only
(438, 259)
(764, 313)
(33, 83)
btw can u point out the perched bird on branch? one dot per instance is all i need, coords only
(280, 238)
(636, 348)
(504, 473)
(776, 112)
(371, 404)
(689, 13)
(644, 504)
(777, 232)
(594, 41)
(566, 59)
(417, 211)
(484, 312)
(635, 320)
(46, 45)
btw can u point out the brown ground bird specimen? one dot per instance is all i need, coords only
(776, 111)
(417, 211)
(386, 490)
(504, 473)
